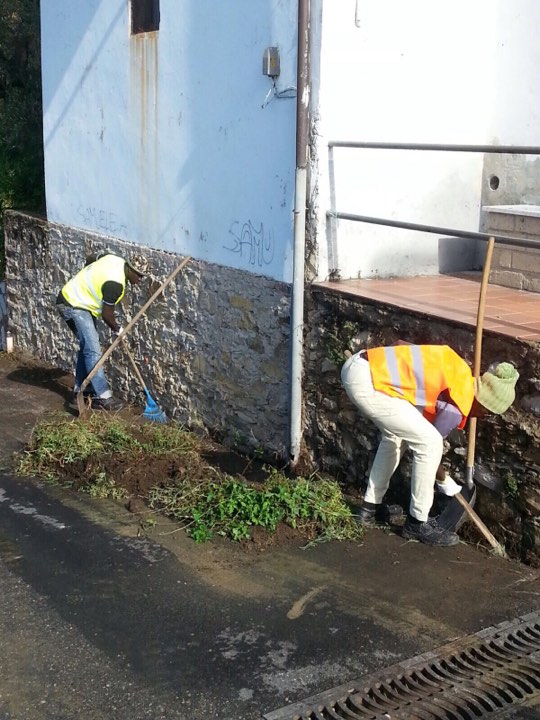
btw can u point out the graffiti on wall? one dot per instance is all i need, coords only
(253, 243)
(102, 220)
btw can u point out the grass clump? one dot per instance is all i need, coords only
(164, 439)
(104, 487)
(511, 486)
(232, 507)
(59, 441)
(56, 443)
(109, 457)
(339, 338)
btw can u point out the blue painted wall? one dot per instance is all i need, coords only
(161, 138)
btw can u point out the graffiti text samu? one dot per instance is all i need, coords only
(252, 243)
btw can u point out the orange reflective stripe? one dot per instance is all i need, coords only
(404, 372)
(377, 359)
(419, 373)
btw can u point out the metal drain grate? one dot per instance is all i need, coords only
(482, 675)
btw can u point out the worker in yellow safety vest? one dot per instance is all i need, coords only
(93, 293)
(415, 395)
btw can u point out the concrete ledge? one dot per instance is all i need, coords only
(527, 210)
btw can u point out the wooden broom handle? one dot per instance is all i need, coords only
(135, 366)
(128, 327)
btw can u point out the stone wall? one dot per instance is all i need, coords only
(3, 315)
(338, 441)
(214, 350)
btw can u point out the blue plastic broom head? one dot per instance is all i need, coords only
(153, 412)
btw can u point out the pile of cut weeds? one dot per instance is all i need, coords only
(167, 466)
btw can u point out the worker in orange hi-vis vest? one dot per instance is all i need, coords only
(415, 395)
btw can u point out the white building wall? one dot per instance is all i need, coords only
(161, 139)
(461, 72)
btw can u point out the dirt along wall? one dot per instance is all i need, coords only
(341, 443)
(214, 349)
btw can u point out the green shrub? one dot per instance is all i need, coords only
(21, 134)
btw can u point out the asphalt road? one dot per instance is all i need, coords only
(96, 622)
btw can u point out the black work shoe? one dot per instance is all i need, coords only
(380, 514)
(108, 404)
(430, 533)
(366, 516)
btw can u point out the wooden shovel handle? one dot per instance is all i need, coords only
(492, 540)
(471, 445)
(131, 323)
(482, 307)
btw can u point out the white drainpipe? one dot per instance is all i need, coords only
(300, 195)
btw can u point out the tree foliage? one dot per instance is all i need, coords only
(21, 135)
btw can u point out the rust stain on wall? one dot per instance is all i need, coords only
(144, 76)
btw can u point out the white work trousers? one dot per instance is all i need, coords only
(401, 426)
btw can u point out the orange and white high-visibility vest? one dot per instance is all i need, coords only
(420, 373)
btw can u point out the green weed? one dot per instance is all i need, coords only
(511, 486)
(59, 441)
(171, 438)
(232, 507)
(116, 436)
(338, 339)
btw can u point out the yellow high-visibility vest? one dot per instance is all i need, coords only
(84, 291)
(420, 373)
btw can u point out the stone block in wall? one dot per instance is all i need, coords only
(502, 257)
(501, 223)
(526, 260)
(527, 225)
(215, 349)
(531, 284)
(507, 278)
(531, 500)
(513, 266)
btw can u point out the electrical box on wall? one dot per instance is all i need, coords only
(271, 62)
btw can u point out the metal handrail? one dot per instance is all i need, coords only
(452, 232)
(440, 147)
